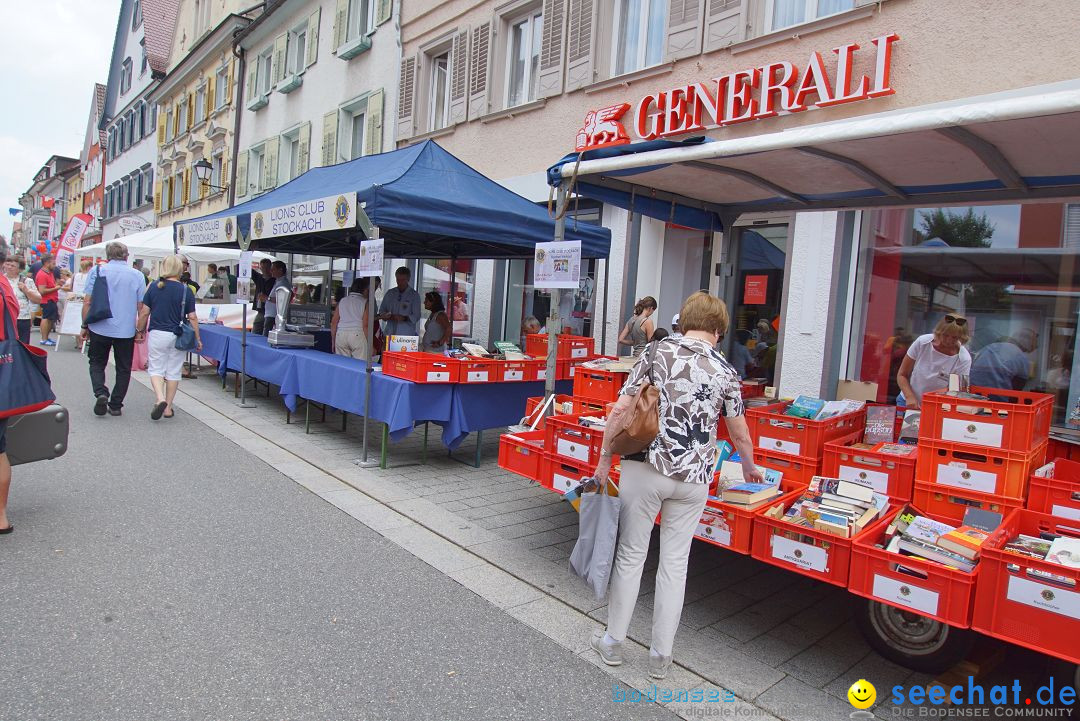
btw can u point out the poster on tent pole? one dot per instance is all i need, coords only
(557, 264)
(369, 263)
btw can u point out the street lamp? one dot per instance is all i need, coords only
(203, 171)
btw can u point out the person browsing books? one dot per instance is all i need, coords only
(932, 358)
(639, 329)
(400, 307)
(437, 331)
(697, 387)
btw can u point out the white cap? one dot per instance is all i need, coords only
(675, 319)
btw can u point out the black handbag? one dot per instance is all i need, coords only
(185, 334)
(100, 308)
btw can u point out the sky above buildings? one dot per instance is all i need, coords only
(51, 59)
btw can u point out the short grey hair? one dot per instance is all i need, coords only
(116, 250)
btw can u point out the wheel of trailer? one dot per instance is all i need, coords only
(911, 640)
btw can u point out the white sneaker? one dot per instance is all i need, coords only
(658, 665)
(611, 654)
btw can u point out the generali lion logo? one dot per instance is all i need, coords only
(603, 128)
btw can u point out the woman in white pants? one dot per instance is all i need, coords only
(349, 324)
(697, 387)
(165, 306)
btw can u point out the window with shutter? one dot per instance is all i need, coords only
(384, 11)
(313, 37)
(329, 138)
(304, 151)
(341, 23)
(523, 45)
(725, 23)
(374, 130)
(640, 31)
(406, 98)
(270, 164)
(438, 91)
(479, 70)
(241, 170)
(781, 14)
(281, 45)
(459, 60)
(579, 44)
(550, 81)
(684, 28)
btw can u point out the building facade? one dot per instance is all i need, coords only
(140, 58)
(196, 111)
(93, 165)
(317, 78)
(45, 201)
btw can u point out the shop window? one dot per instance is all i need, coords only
(454, 281)
(1008, 269)
(785, 13)
(439, 91)
(523, 58)
(755, 299)
(639, 34)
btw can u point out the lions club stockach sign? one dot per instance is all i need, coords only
(333, 212)
(207, 232)
(749, 94)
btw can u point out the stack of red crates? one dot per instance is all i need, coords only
(979, 453)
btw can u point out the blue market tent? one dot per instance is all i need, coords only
(426, 203)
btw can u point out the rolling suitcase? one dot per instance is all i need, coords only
(38, 436)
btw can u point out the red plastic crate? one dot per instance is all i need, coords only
(562, 474)
(773, 431)
(1014, 604)
(570, 346)
(795, 468)
(566, 438)
(888, 473)
(479, 370)
(598, 385)
(974, 468)
(931, 590)
(1058, 495)
(585, 407)
(739, 521)
(566, 369)
(531, 405)
(1063, 449)
(952, 503)
(420, 367)
(515, 371)
(522, 453)
(813, 553)
(1019, 425)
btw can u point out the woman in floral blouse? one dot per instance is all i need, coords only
(697, 387)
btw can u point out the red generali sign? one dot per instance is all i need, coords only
(751, 94)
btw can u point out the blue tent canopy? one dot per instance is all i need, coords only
(426, 203)
(682, 211)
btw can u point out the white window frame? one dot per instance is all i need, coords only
(530, 17)
(194, 185)
(360, 23)
(202, 17)
(148, 185)
(136, 15)
(200, 95)
(184, 110)
(433, 68)
(144, 63)
(810, 14)
(641, 61)
(169, 135)
(348, 115)
(221, 87)
(265, 76)
(216, 160)
(255, 152)
(177, 200)
(125, 76)
(295, 56)
(286, 142)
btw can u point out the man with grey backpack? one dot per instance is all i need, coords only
(111, 303)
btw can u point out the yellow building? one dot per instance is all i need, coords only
(196, 112)
(73, 197)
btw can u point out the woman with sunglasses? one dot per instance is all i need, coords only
(932, 358)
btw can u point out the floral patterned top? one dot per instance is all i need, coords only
(697, 387)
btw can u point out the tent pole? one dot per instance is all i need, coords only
(562, 200)
(371, 309)
(450, 297)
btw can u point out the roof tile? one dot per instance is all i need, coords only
(159, 24)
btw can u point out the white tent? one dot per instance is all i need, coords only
(157, 243)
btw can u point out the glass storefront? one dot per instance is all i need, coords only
(454, 281)
(1012, 270)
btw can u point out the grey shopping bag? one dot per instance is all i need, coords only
(594, 552)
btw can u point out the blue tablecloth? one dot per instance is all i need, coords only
(338, 381)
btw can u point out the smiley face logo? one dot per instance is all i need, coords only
(862, 694)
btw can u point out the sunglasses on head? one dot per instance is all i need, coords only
(958, 319)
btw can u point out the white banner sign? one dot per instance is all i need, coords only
(369, 263)
(245, 265)
(558, 264)
(319, 215)
(72, 237)
(207, 232)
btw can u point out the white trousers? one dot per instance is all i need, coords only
(645, 492)
(352, 343)
(163, 359)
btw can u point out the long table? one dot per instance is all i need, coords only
(338, 382)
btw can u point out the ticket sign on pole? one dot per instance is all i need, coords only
(369, 264)
(755, 290)
(557, 264)
(245, 264)
(243, 280)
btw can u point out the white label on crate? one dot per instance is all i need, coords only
(965, 431)
(579, 352)
(773, 444)
(1065, 512)
(959, 475)
(1040, 595)
(800, 554)
(513, 375)
(562, 484)
(906, 594)
(541, 375)
(438, 376)
(714, 534)
(873, 479)
(573, 449)
(477, 377)
(573, 370)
